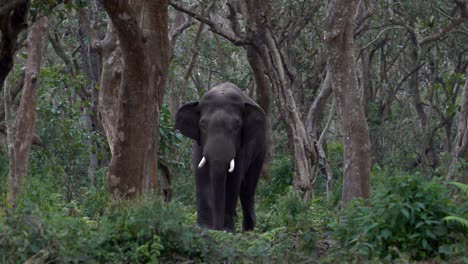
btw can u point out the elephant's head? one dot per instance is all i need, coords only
(221, 122)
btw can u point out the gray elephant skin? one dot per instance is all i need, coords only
(228, 130)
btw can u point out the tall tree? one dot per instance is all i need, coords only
(23, 130)
(132, 91)
(460, 152)
(342, 69)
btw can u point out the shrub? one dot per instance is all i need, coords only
(405, 217)
(281, 177)
(143, 231)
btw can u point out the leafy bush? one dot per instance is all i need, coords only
(142, 231)
(95, 198)
(462, 217)
(281, 177)
(405, 216)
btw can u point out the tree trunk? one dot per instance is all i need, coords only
(367, 90)
(110, 88)
(342, 70)
(257, 15)
(91, 67)
(25, 122)
(460, 152)
(132, 120)
(264, 99)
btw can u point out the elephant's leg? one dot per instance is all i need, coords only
(247, 194)
(203, 192)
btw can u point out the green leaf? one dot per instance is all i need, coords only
(463, 187)
(405, 212)
(457, 219)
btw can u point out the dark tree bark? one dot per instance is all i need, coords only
(131, 106)
(25, 123)
(264, 99)
(342, 70)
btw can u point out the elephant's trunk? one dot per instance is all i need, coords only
(218, 177)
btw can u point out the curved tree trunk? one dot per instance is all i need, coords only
(24, 126)
(264, 99)
(132, 119)
(342, 70)
(257, 14)
(460, 152)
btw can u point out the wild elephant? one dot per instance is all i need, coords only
(228, 129)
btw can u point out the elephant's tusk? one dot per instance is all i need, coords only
(202, 162)
(231, 166)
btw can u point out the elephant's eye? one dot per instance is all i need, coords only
(237, 125)
(203, 126)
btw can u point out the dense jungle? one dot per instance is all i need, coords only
(357, 125)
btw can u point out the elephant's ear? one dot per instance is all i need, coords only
(254, 127)
(187, 119)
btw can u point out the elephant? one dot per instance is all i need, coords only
(228, 132)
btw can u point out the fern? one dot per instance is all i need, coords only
(457, 219)
(463, 187)
(454, 218)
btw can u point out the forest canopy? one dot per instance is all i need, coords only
(366, 107)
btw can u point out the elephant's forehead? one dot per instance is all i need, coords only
(221, 96)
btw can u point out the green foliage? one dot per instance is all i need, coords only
(169, 139)
(25, 234)
(95, 198)
(462, 218)
(142, 231)
(405, 216)
(281, 177)
(463, 187)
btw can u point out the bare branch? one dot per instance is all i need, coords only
(455, 23)
(193, 59)
(58, 48)
(220, 28)
(178, 31)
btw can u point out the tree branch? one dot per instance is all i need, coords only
(455, 23)
(178, 31)
(129, 33)
(221, 29)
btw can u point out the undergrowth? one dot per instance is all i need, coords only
(143, 231)
(403, 220)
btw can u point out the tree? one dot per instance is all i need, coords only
(22, 132)
(341, 67)
(460, 151)
(136, 56)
